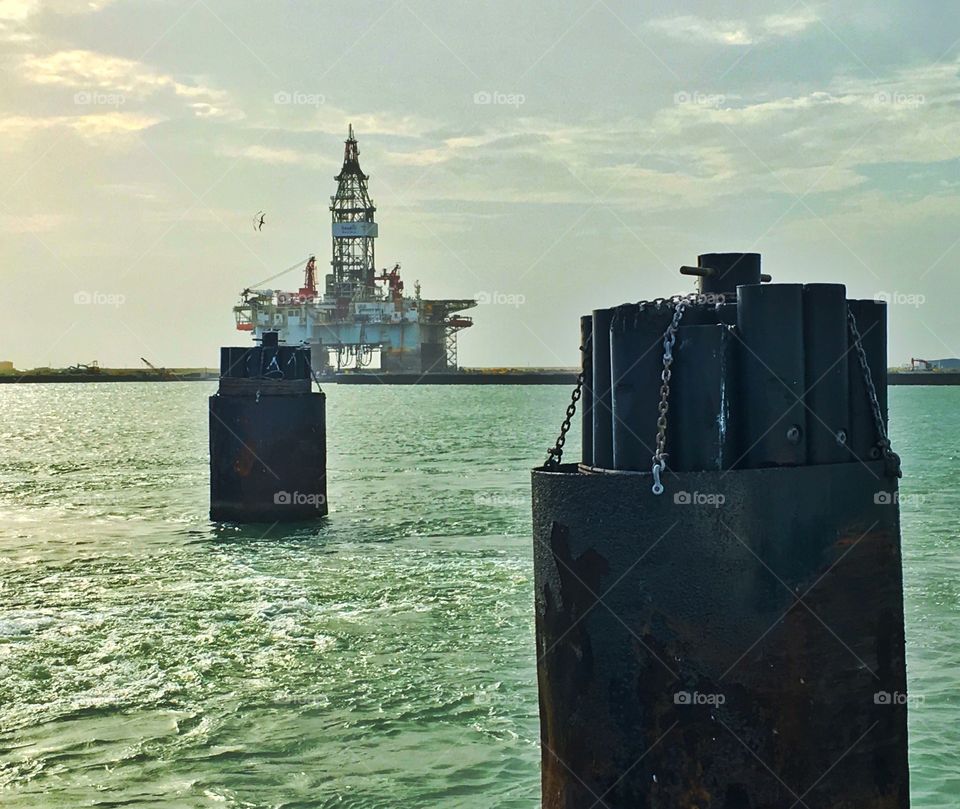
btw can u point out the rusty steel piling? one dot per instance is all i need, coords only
(267, 436)
(735, 641)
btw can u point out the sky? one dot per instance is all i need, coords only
(547, 160)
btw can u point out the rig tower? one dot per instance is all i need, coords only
(353, 230)
(362, 311)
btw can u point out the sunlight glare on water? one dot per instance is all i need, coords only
(382, 658)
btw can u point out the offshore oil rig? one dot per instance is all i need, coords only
(362, 314)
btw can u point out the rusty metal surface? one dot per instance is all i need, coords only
(268, 458)
(743, 654)
(230, 386)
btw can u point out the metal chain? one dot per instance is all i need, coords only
(679, 302)
(555, 453)
(313, 373)
(669, 339)
(891, 458)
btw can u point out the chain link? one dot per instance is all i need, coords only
(555, 453)
(669, 339)
(680, 303)
(891, 458)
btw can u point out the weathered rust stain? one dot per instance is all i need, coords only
(809, 611)
(243, 463)
(563, 616)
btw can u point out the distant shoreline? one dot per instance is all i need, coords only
(923, 378)
(476, 376)
(206, 375)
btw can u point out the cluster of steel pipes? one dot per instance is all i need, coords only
(733, 637)
(774, 375)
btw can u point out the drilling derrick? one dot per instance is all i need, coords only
(362, 312)
(353, 230)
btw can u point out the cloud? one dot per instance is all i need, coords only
(448, 149)
(725, 32)
(136, 191)
(396, 130)
(276, 157)
(786, 25)
(88, 70)
(331, 120)
(908, 116)
(14, 15)
(32, 223)
(91, 127)
(819, 140)
(685, 156)
(20, 10)
(735, 32)
(76, 6)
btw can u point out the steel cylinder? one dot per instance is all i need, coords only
(701, 430)
(586, 396)
(636, 361)
(602, 408)
(771, 375)
(826, 383)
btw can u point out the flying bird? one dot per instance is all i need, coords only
(258, 220)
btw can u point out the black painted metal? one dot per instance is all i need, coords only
(727, 314)
(586, 395)
(602, 410)
(267, 437)
(771, 379)
(729, 270)
(700, 432)
(636, 361)
(826, 357)
(736, 642)
(705, 312)
(871, 319)
(257, 362)
(742, 654)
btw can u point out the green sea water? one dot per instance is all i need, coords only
(384, 658)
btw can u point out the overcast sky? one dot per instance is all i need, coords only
(553, 159)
